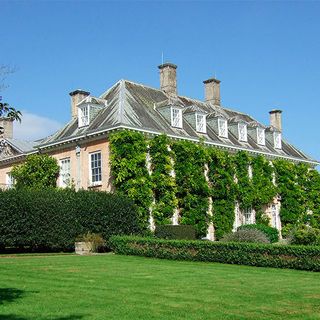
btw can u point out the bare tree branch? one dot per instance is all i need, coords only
(5, 71)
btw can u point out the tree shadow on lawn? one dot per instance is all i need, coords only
(8, 295)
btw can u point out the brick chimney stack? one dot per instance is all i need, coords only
(77, 96)
(168, 78)
(276, 119)
(212, 91)
(6, 128)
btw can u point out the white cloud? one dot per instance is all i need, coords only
(33, 127)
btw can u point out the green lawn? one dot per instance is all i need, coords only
(122, 287)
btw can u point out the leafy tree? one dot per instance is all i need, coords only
(38, 171)
(9, 112)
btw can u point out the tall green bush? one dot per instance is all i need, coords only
(38, 171)
(51, 219)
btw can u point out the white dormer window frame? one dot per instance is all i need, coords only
(83, 115)
(223, 127)
(176, 117)
(277, 140)
(201, 123)
(261, 136)
(242, 132)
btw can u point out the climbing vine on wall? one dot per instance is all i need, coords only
(223, 190)
(263, 187)
(128, 165)
(291, 192)
(244, 185)
(298, 185)
(163, 181)
(313, 192)
(193, 190)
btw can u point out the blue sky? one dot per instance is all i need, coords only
(265, 53)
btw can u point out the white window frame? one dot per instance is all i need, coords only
(10, 181)
(94, 181)
(84, 116)
(223, 127)
(65, 175)
(248, 216)
(277, 140)
(176, 117)
(261, 136)
(201, 123)
(243, 135)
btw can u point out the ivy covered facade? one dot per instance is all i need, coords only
(191, 183)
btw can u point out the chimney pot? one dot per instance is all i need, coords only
(276, 119)
(77, 96)
(212, 91)
(168, 78)
(6, 125)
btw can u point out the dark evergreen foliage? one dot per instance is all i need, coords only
(260, 255)
(51, 219)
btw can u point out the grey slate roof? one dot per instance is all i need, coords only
(22, 146)
(132, 105)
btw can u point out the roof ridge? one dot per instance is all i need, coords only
(189, 98)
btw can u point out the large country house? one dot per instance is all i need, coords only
(82, 146)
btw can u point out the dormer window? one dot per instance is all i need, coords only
(242, 131)
(83, 116)
(176, 117)
(277, 140)
(261, 137)
(223, 128)
(201, 125)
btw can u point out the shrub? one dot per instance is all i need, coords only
(246, 235)
(38, 171)
(175, 232)
(271, 233)
(305, 235)
(51, 219)
(262, 255)
(96, 240)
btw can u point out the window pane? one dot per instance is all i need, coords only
(277, 140)
(260, 136)
(242, 132)
(222, 126)
(65, 169)
(200, 123)
(176, 117)
(96, 176)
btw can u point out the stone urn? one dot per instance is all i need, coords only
(83, 247)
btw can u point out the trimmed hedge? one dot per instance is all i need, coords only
(271, 233)
(177, 232)
(267, 255)
(51, 219)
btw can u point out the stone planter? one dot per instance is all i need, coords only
(83, 248)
